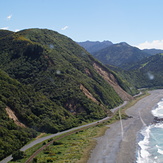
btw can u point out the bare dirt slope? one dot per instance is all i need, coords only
(12, 115)
(109, 77)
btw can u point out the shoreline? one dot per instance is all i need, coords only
(119, 144)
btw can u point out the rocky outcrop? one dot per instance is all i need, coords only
(158, 120)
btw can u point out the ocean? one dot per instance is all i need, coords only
(150, 140)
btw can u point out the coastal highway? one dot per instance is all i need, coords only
(9, 158)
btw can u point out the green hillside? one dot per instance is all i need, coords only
(56, 66)
(94, 46)
(12, 136)
(150, 70)
(50, 84)
(147, 73)
(120, 55)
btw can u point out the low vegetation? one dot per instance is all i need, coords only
(71, 148)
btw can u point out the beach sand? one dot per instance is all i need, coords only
(118, 144)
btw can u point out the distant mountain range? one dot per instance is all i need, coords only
(121, 55)
(153, 51)
(94, 46)
(141, 68)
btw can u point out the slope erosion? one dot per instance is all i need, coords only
(50, 83)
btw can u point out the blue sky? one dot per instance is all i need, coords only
(137, 22)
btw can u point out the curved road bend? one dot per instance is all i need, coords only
(9, 158)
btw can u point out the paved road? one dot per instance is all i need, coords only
(115, 109)
(9, 158)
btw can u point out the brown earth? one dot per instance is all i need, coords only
(88, 94)
(109, 77)
(12, 116)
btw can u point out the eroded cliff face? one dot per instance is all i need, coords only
(109, 77)
(71, 105)
(91, 97)
(12, 116)
(88, 94)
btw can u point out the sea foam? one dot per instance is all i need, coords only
(150, 145)
(158, 111)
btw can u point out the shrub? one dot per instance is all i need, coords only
(18, 155)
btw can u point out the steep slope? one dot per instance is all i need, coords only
(12, 135)
(153, 63)
(49, 84)
(151, 70)
(94, 46)
(120, 55)
(56, 66)
(146, 73)
(109, 77)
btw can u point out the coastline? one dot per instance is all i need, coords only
(118, 145)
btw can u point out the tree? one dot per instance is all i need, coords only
(18, 155)
(34, 160)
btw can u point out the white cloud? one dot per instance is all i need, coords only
(16, 30)
(64, 28)
(9, 17)
(5, 28)
(155, 44)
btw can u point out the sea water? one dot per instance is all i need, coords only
(150, 145)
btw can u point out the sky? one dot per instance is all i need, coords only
(137, 22)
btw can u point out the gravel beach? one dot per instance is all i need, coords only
(118, 144)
